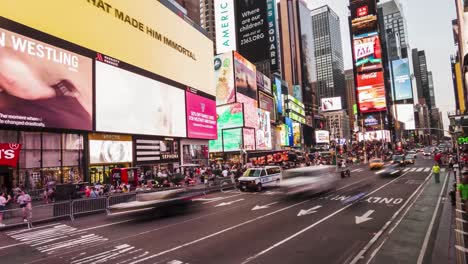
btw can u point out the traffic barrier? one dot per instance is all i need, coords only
(13, 217)
(121, 198)
(83, 206)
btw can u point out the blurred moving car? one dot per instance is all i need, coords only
(257, 178)
(376, 163)
(309, 180)
(410, 158)
(398, 159)
(427, 152)
(391, 170)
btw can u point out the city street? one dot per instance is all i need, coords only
(231, 227)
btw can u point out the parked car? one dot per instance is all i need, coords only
(258, 178)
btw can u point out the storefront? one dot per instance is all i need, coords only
(194, 152)
(156, 155)
(45, 158)
(107, 152)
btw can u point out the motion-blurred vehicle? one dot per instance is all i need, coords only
(410, 158)
(391, 170)
(309, 180)
(257, 178)
(376, 164)
(398, 159)
(427, 152)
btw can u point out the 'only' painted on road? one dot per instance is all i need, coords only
(372, 199)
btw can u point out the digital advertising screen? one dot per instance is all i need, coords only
(322, 136)
(217, 144)
(232, 139)
(263, 83)
(278, 95)
(225, 23)
(249, 139)
(297, 134)
(43, 86)
(367, 52)
(252, 29)
(108, 151)
(283, 135)
(289, 124)
(230, 116)
(224, 78)
(402, 79)
(130, 103)
(263, 137)
(371, 92)
(245, 77)
(377, 135)
(363, 15)
(331, 104)
(267, 103)
(250, 110)
(201, 117)
(405, 114)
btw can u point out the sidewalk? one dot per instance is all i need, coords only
(423, 236)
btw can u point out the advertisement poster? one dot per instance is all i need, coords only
(249, 139)
(322, 136)
(201, 117)
(263, 83)
(375, 135)
(232, 139)
(278, 95)
(401, 79)
(224, 76)
(250, 110)
(263, 130)
(266, 102)
(142, 105)
(371, 92)
(406, 115)
(252, 29)
(10, 153)
(230, 116)
(297, 134)
(43, 86)
(216, 145)
(109, 151)
(245, 76)
(289, 124)
(371, 121)
(363, 16)
(225, 24)
(297, 92)
(331, 104)
(367, 52)
(283, 135)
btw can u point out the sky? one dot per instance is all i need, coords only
(429, 25)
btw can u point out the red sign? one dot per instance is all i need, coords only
(362, 11)
(371, 92)
(9, 154)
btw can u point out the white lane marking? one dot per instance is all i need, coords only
(110, 224)
(419, 169)
(431, 225)
(207, 199)
(258, 207)
(407, 169)
(442, 169)
(317, 223)
(222, 198)
(308, 211)
(364, 218)
(461, 248)
(218, 233)
(175, 262)
(356, 170)
(413, 169)
(34, 228)
(360, 255)
(229, 203)
(427, 169)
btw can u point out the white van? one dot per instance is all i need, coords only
(257, 178)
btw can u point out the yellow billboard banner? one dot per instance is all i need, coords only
(145, 34)
(460, 90)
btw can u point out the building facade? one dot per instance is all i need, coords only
(337, 123)
(350, 97)
(207, 18)
(421, 76)
(328, 54)
(395, 26)
(430, 85)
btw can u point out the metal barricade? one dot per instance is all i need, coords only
(121, 198)
(13, 217)
(89, 205)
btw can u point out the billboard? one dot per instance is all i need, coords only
(249, 138)
(10, 154)
(267, 103)
(290, 132)
(42, 85)
(217, 144)
(272, 35)
(297, 92)
(401, 79)
(371, 120)
(405, 114)
(322, 136)
(367, 52)
(130, 103)
(224, 77)
(250, 110)
(263, 83)
(278, 95)
(245, 76)
(363, 15)
(375, 135)
(225, 26)
(252, 29)
(297, 134)
(201, 117)
(283, 135)
(127, 32)
(108, 148)
(263, 134)
(371, 92)
(230, 116)
(331, 104)
(232, 139)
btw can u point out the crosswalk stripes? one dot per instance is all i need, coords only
(442, 169)
(419, 169)
(427, 169)
(357, 170)
(407, 169)
(413, 169)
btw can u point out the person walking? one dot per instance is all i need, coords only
(3, 202)
(24, 201)
(436, 172)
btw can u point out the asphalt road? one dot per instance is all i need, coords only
(224, 227)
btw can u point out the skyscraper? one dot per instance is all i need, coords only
(192, 9)
(421, 75)
(430, 84)
(328, 54)
(207, 18)
(350, 95)
(395, 26)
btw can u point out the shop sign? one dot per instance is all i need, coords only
(111, 137)
(9, 154)
(169, 156)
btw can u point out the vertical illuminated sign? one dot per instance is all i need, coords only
(225, 26)
(272, 36)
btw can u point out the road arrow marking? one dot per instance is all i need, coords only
(309, 211)
(364, 218)
(229, 203)
(208, 199)
(258, 207)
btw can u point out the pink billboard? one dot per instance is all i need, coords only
(201, 117)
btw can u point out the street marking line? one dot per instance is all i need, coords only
(442, 169)
(413, 169)
(316, 223)
(407, 169)
(427, 169)
(356, 170)
(419, 169)
(34, 228)
(461, 248)
(222, 198)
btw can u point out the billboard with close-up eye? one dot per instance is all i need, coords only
(110, 148)
(371, 92)
(245, 77)
(224, 78)
(367, 52)
(331, 104)
(201, 117)
(42, 85)
(130, 103)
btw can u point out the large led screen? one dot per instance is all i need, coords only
(217, 144)
(250, 110)
(297, 134)
(331, 104)
(266, 102)
(249, 138)
(245, 76)
(263, 137)
(107, 151)
(405, 113)
(230, 116)
(130, 103)
(201, 117)
(401, 79)
(371, 92)
(322, 136)
(42, 85)
(224, 77)
(375, 135)
(278, 95)
(367, 52)
(232, 139)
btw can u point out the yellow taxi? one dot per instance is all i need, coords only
(376, 164)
